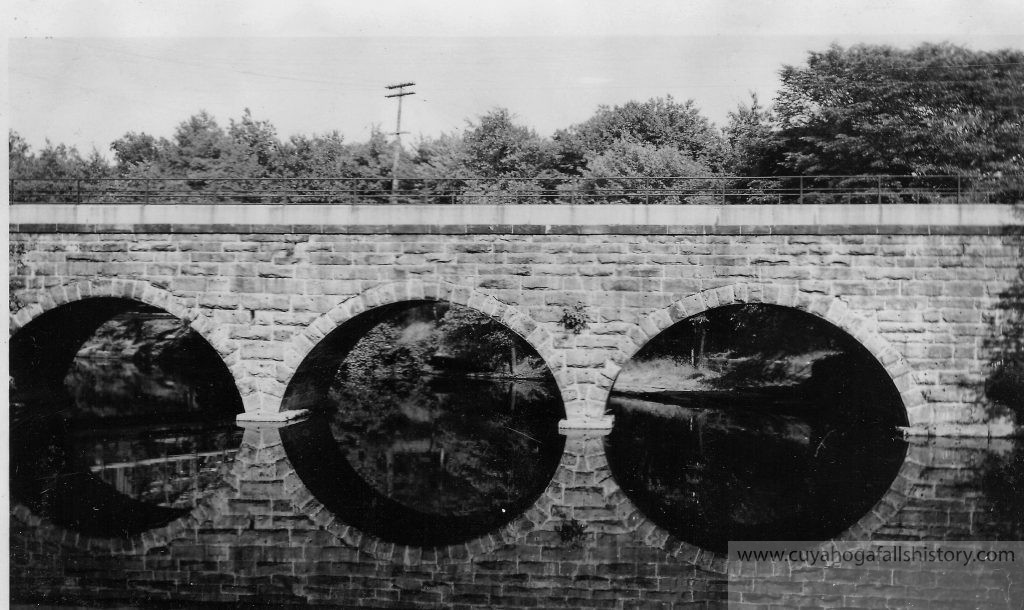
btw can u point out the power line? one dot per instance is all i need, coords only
(207, 65)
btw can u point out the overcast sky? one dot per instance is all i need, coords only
(85, 73)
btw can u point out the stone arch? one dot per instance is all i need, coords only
(144, 292)
(415, 290)
(827, 307)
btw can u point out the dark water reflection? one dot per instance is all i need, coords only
(430, 460)
(123, 447)
(710, 471)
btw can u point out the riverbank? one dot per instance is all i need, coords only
(717, 372)
(139, 337)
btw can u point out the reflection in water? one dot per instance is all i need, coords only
(962, 489)
(1003, 485)
(433, 423)
(127, 447)
(755, 422)
(710, 473)
(430, 460)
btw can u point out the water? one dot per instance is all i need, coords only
(430, 460)
(437, 461)
(710, 471)
(123, 447)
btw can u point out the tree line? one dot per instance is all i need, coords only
(935, 109)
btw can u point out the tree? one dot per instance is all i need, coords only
(201, 148)
(318, 156)
(373, 158)
(628, 170)
(19, 155)
(137, 149)
(255, 144)
(474, 337)
(53, 172)
(659, 122)
(497, 147)
(752, 138)
(442, 157)
(933, 109)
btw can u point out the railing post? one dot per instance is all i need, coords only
(958, 187)
(879, 190)
(801, 190)
(145, 186)
(78, 191)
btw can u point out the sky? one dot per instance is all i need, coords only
(85, 74)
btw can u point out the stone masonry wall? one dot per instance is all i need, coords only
(925, 305)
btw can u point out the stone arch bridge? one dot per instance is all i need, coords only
(918, 285)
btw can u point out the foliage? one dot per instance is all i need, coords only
(751, 138)
(658, 122)
(572, 533)
(932, 109)
(1004, 386)
(423, 338)
(47, 170)
(418, 431)
(475, 447)
(762, 334)
(470, 336)
(575, 319)
(1002, 482)
(497, 147)
(442, 157)
(636, 164)
(53, 161)
(136, 149)
(17, 267)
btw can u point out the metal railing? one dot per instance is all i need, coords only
(666, 190)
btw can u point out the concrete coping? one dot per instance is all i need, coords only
(511, 219)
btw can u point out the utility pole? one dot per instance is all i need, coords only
(398, 131)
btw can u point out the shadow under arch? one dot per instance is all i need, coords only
(869, 513)
(297, 354)
(141, 292)
(832, 309)
(498, 435)
(46, 337)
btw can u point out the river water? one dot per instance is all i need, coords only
(437, 461)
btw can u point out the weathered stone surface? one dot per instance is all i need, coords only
(923, 304)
